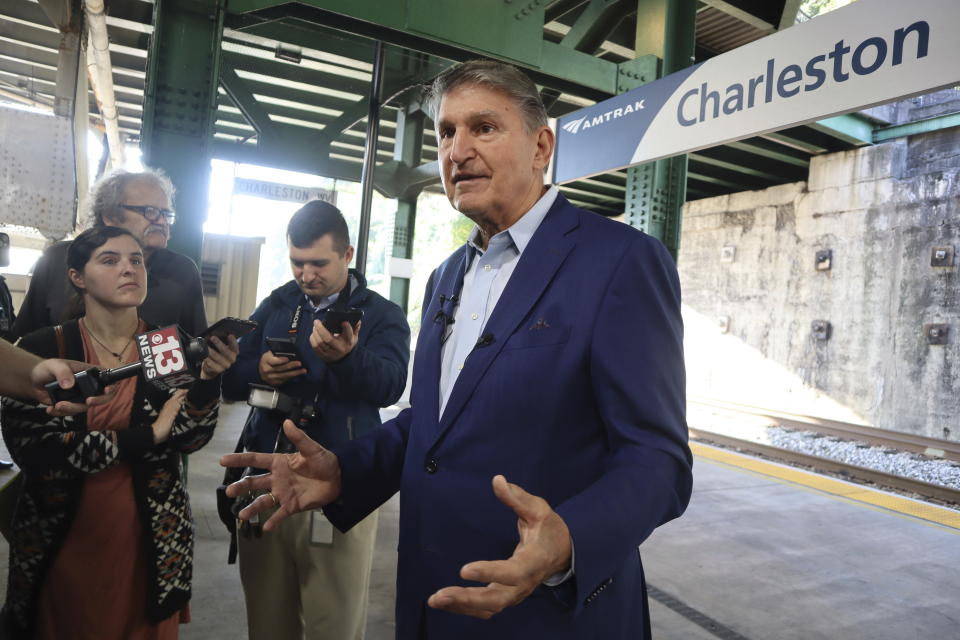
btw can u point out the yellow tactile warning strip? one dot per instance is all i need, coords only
(859, 493)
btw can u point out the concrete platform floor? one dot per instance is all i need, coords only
(754, 558)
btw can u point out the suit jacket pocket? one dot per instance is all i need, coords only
(526, 337)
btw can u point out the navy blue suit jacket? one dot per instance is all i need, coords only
(578, 398)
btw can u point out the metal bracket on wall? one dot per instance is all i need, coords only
(824, 259)
(723, 322)
(936, 333)
(821, 329)
(941, 257)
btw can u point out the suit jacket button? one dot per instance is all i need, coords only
(431, 466)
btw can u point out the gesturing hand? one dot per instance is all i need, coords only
(544, 550)
(307, 479)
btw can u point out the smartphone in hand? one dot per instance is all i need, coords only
(226, 327)
(335, 318)
(285, 347)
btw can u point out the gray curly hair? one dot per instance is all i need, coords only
(498, 76)
(108, 193)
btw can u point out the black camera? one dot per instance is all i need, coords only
(296, 409)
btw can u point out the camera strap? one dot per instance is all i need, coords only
(343, 300)
(295, 320)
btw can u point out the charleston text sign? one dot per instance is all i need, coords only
(868, 53)
(277, 191)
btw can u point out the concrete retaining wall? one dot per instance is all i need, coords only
(880, 210)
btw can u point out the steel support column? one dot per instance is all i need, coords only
(180, 101)
(408, 150)
(656, 191)
(370, 157)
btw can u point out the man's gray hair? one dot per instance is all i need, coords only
(108, 193)
(498, 76)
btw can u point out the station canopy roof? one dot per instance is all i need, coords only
(312, 81)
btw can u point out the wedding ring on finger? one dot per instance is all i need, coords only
(276, 502)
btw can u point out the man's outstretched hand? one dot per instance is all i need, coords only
(544, 550)
(307, 479)
(62, 371)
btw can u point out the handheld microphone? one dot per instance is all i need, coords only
(169, 359)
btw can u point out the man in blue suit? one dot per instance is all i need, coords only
(551, 355)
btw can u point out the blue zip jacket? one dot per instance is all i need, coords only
(348, 393)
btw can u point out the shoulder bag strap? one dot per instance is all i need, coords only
(61, 342)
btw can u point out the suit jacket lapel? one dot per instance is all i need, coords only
(538, 264)
(449, 281)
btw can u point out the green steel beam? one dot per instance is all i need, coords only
(656, 191)
(850, 127)
(296, 95)
(595, 23)
(593, 195)
(284, 72)
(453, 29)
(408, 152)
(313, 36)
(579, 69)
(395, 81)
(244, 100)
(771, 154)
(179, 105)
(794, 142)
(602, 188)
(558, 8)
(742, 158)
(738, 168)
(938, 123)
(720, 182)
(291, 158)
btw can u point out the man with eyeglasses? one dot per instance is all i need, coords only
(140, 202)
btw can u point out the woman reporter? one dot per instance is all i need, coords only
(102, 539)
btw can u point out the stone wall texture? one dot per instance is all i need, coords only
(880, 210)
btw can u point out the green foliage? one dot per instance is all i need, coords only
(812, 8)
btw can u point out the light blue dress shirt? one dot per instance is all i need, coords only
(486, 276)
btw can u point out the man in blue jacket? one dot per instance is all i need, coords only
(550, 355)
(303, 579)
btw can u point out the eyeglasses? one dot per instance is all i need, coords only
(153, 213)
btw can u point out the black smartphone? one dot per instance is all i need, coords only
(334, 319)
(229, 326)
(285, 347)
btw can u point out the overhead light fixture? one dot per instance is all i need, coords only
(289, 53)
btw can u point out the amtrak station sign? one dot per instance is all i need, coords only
(867, 53)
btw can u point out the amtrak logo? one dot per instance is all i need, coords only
(586, 122)
(574, 125)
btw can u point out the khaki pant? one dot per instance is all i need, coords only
(296, 589)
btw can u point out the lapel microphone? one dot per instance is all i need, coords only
(443, 317)
(484, 340)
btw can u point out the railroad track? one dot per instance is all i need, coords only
(906, 442)
(848, 431)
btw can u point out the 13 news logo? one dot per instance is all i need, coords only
(161, 354)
